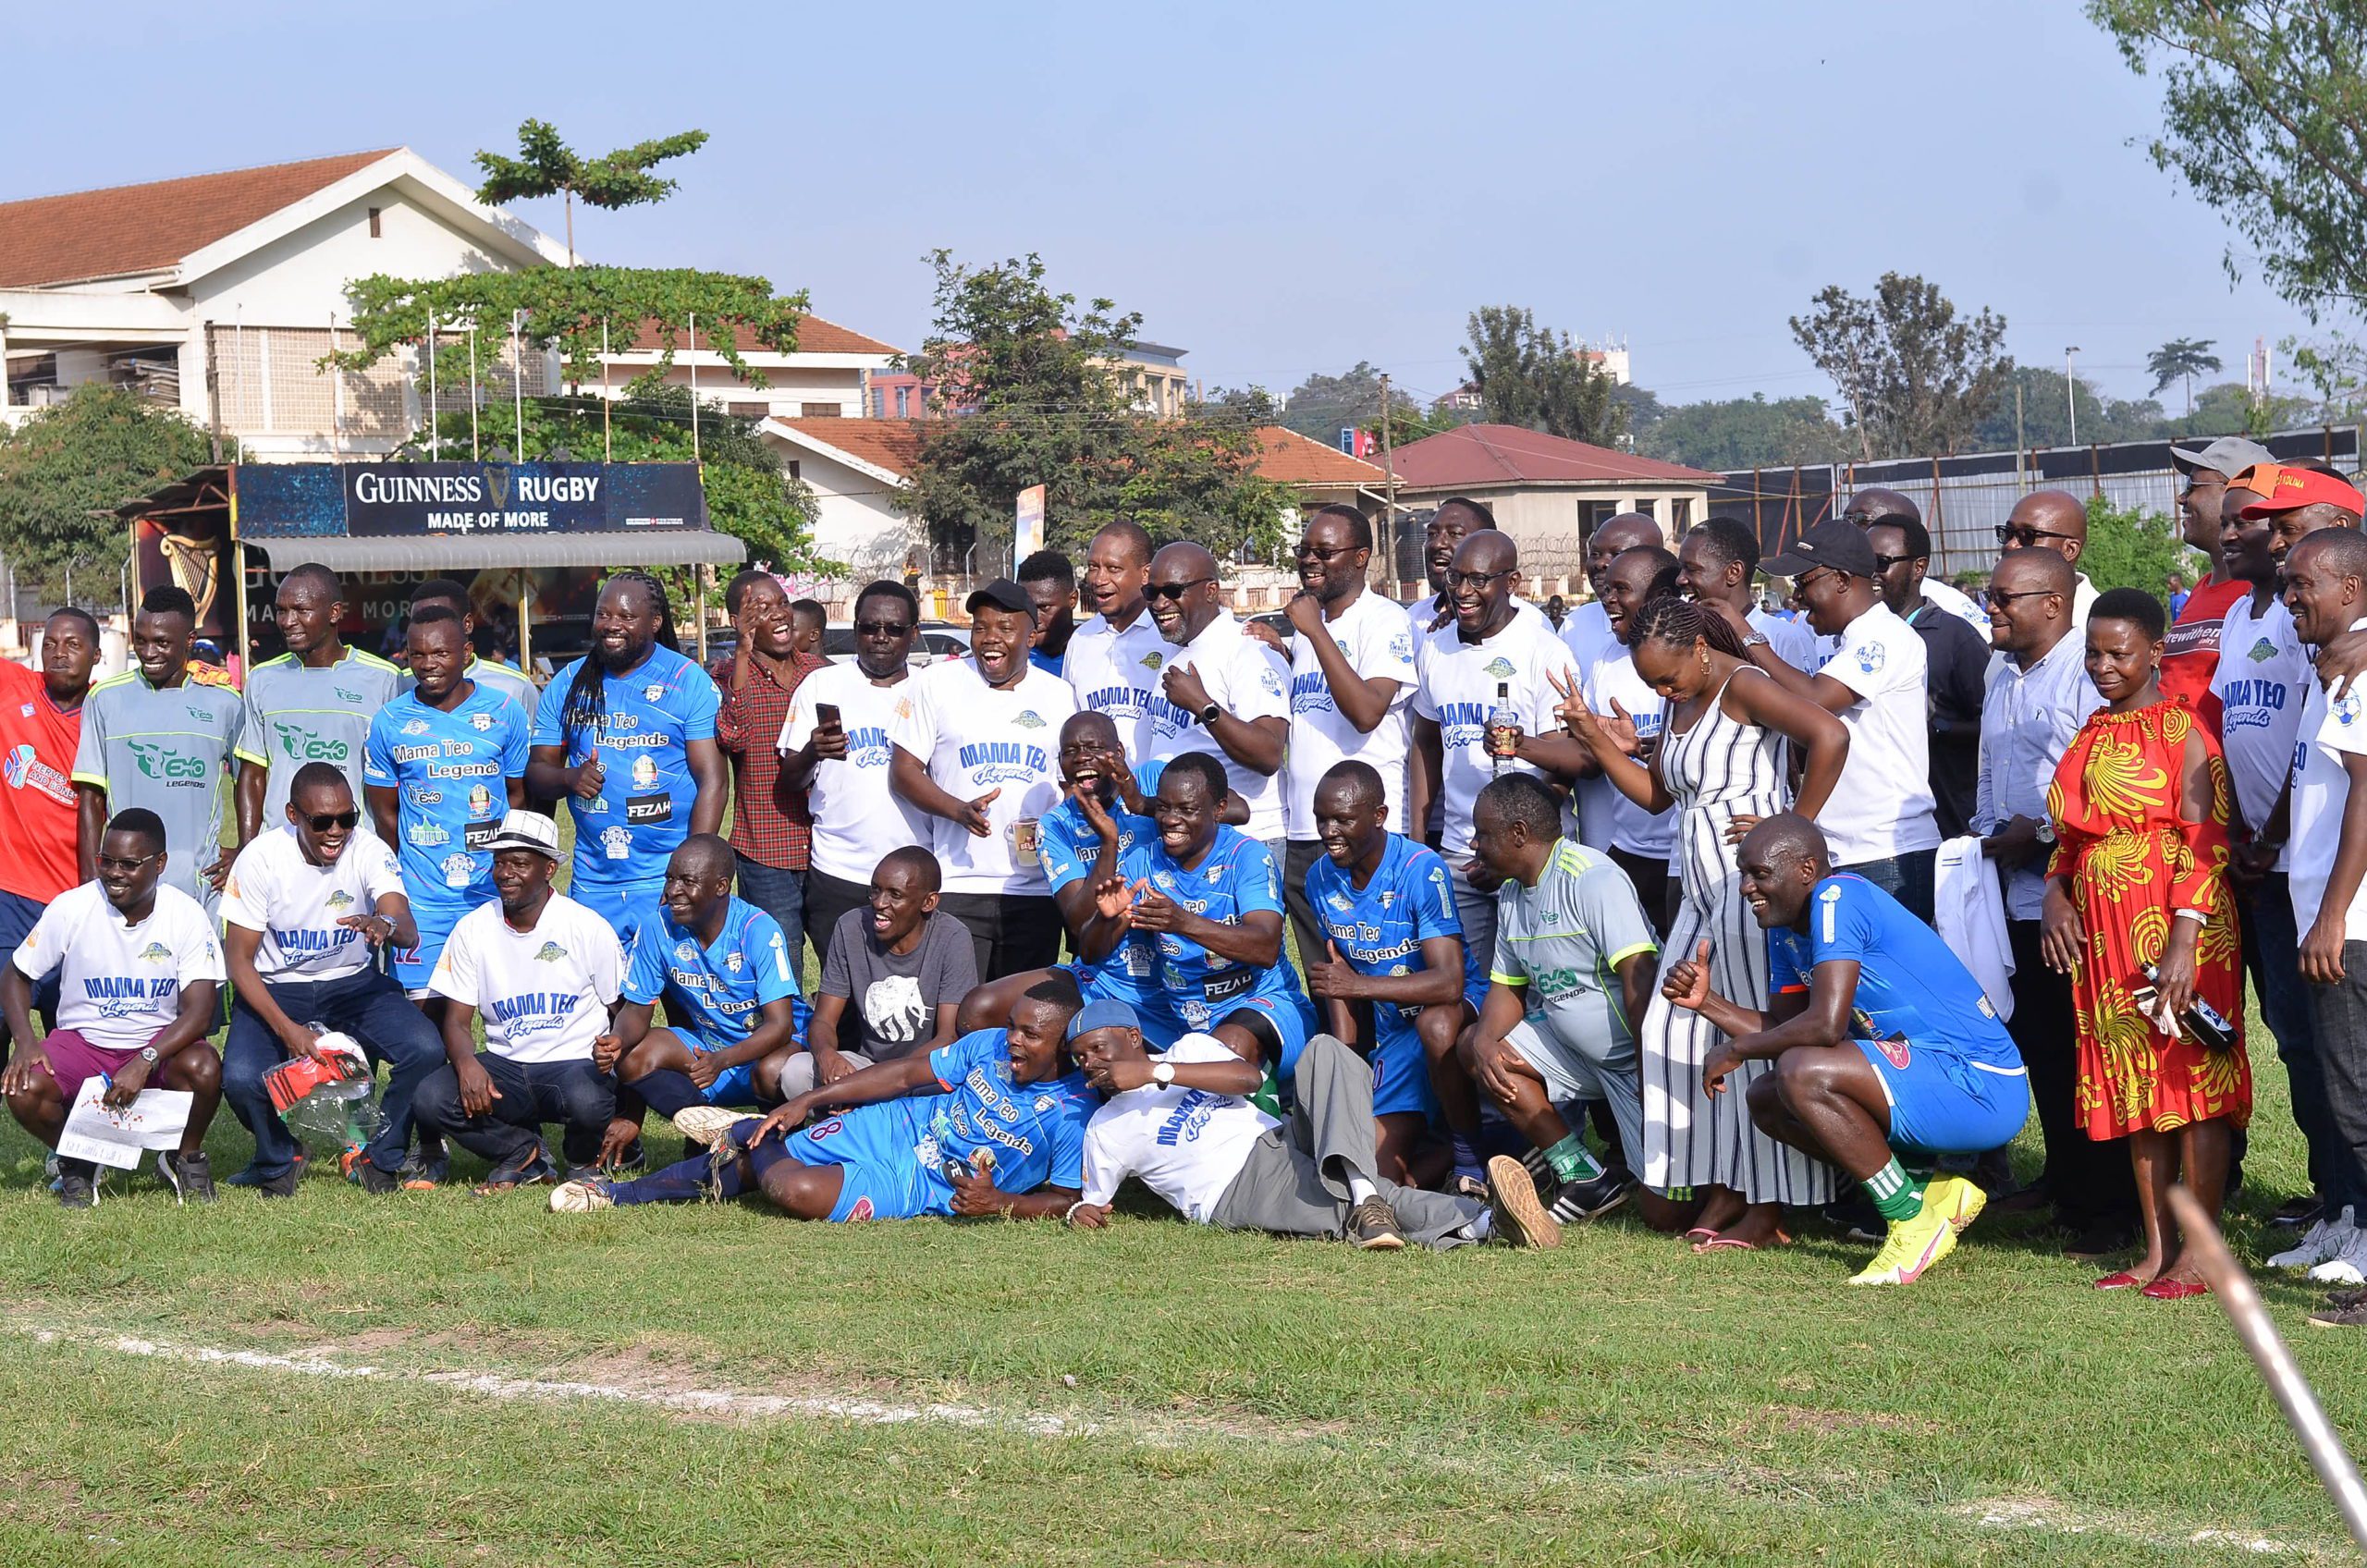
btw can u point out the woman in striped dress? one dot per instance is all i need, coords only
(1720, 761)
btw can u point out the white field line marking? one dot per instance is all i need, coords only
(2023, 1514)
(702, 1402)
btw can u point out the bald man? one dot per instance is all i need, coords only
(1876, 504)
(1592, 642)
(1222, 690)
(2057, 521)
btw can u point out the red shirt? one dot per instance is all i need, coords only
(2190, 654)
(770, 823)
(37, 811)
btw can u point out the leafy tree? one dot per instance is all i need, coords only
(1535, 377)
(1027, 371)
(1916, 377)
(547, 166)
(2264, 116)
(2046, 415)
(1643, 408)
(1254, 404)
(1738, 433)
(1321, 406)
(2130, 548)
(2181, 359)
(63, 472)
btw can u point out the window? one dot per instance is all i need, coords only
(1681, 513)
(903, 402)
(818, 411)
(375, 231)
(793, 468)
(1646, 508)
(747, 410)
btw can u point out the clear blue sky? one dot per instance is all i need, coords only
(1278, 188)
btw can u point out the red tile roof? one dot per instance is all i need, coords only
(891, 444)
(1476, 455)
(815, 335)
(137, 229)
(1292, 459)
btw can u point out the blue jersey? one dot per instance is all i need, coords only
(643, 732)
(451, 773)
(1035, 1132)
(1379, 927)
(1909, 982)
(716, 991)
(1181, 981)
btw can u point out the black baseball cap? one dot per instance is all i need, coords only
(1840, 546)
(1004, 595)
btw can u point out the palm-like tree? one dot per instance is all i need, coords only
(2182, 359)
(551, 168)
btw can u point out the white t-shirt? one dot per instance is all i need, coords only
(1188, 1146)
(1595, 802)
(1632, 829)
(1954, 601)
(972, 738)
(1586, 631)
(1457, 689)
(121, 983)
(2329, 730)
(857, 818)
(1116, 672)
(543, 994)
(1374, 635)
(1792, 642)
(1247, 680)
(2262, 681)
(296, 905)
(1883, 805)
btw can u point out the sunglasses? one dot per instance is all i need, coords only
(1173, 591)
(322, 822)
(2009, 534)
(1476, 580)
(1311, 552)
(881, 627)
(1883, 563)
(1997, 598)
(126, 867)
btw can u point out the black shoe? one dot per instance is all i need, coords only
(76, 1190)
(1858, 1218)
(426, 1167)
(1581, 1201)
(282, 1186)
(532, 1169)
(370, 1179)
(253, 1176)
(1372, 1226)
(635, 1155)
(2299, 1214)
(189, 1175)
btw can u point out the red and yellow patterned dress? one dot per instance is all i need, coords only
(2131, 861)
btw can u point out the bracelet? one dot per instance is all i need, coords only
(1068, 1215)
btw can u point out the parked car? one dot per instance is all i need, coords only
(936, 641)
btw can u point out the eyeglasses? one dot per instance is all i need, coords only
(322, 822)
(1998, 598)
(881, 627)
(117, 863)
(1311, 552)
(1173, 590)
(1883, 563)
(1476, 580)
(2009, 534)
(1800, 584)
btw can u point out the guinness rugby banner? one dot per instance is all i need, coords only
(364, 500)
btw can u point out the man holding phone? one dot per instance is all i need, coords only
(771, 827)
(835, 748)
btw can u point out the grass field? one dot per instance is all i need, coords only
(431, 1378)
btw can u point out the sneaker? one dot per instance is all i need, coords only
(1514, 1216)
(2347, 1309)
(371, 1180)
(2321, 1241)
(253, 1176)
(2347, 1266)
(426, 1167)
(1580, 1201)
(635, 1155)
(591, 1193)
(76, 1190)
(282, 1186)
(189, 1175)
(1913, 1246)
(1372, 1227)
(532, 1169)
(2299, 1214)
(706, 1125)
(1857, 1218)
(1962, 1200)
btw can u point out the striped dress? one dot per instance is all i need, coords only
(1718, 770)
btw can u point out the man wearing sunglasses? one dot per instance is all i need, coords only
(304, 913)
(2056, 520)
(1224, 691)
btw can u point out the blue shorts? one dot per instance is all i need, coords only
(18, 915)
(881, 1177)
(624, 905)
(734, 1086)
(1401, 1074)
(1943, 1103)
(411, 966)
(1291, 1020)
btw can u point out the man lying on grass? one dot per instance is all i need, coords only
(1884, 1043)
(993, 1124)
(1182, 1122)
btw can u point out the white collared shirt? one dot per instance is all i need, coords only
(1116, 671)
(1247, 680)
(1373, 635)
(1881, 806)
(2028, 719)
(2331, 728)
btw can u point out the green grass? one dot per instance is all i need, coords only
(1228, 1399)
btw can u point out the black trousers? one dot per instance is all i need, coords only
(575, 1094)
(1298, 858)
(1010, 932)
(1650, 874)
(2088, 1183)
(827, 901)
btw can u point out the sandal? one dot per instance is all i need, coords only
(535, 1170)
(1735, 1243)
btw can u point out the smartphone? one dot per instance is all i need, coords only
(825, 716)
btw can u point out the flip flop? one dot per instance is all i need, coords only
(2124, 1281)
(1733, 1243)
(2174, 1289)
(1701, 1233)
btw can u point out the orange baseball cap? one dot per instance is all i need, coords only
(2284, 489)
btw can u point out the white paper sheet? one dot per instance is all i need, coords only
(154, 1121)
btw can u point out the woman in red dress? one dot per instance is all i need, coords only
(2138, 877)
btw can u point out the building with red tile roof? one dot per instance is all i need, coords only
(1548, 492)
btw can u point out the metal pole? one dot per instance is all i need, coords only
(476, 453)
(526, 624)
(518, 378)
(435, 436)
(2071, 391)
(608, 452)
(1389, 522)
(694, 387)
(2240, 1301)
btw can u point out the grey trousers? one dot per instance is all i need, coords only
(1477, 910)
(1295, 1181)
(797, 1073)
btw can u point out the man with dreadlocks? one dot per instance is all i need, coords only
(626, 736)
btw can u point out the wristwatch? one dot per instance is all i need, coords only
(1208, 715)
(1756, 640)
(148, 1054)
(1162, 1074)
(2046, 831)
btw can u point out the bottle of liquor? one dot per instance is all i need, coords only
(2200, 1021)
(1503, 728)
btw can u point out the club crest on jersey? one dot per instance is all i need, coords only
(155, 952)
(1028, 719)
(416, 726)
(1271, 678)
(550, 952)
(1388, 896)
(651, 693)
(735, 960)
(481, 722)
(1044, 1103)
(645, 772)
(340, 899)
(2262, 651)
(616, 841)
(1154, 659)
(1500, 667)
(1896, 1051)
(1870, 656)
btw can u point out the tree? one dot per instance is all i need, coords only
(2264, 116)
(1024, 374)
(548, 167)
(2129, 547)
(2046, 415)
(1535, 377)
(63, 472)
(1738, 433)
(1321, 406)
(2181, 359)
(1915, 376)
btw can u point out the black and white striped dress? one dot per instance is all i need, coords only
(1718, 770)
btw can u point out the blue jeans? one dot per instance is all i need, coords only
(2272, 949)
(575, 1094)
(780, 894)
(1907, 877)
(369, 1006)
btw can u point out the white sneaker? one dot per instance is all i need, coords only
(2348, 1267)
(2325, 1238)
(582, 1197)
